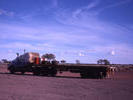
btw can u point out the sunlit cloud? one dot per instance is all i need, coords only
(112, 52)
(81, 54)
(86, 8)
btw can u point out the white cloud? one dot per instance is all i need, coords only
(85, 8)
(112, 52)
(122, 2)
(55, 36)
(81, 54)
(81, 19)
(93, 4)
(121, 53)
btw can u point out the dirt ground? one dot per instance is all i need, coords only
(65, 87)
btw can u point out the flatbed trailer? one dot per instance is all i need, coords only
(85, 70)
(30, 62)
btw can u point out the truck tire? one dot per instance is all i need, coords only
(44, 74)
(83, 75)
(12, 72)
(36, 73)
(22, 72)
(53, 74)
(11, 69)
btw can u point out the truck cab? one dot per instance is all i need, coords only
(24, 63)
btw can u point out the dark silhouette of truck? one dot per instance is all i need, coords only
(31, 62)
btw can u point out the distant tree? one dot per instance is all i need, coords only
(55, 62)
(77, 61)
(4, 60)
(49, 57)
(103, 61)
(17, 54)
(63, 61)
(100, 61)
(106, 62)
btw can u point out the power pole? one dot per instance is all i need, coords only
(24, 51)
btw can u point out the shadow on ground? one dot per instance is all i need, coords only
(45, 76)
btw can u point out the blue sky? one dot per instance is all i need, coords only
(86, 30)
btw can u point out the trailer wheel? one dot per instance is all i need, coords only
(101, 75)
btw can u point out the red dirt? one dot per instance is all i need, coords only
(29, 87)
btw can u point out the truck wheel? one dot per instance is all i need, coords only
(12, 70)
(53, 72)
(83, 75)
(44, 74)
(22, 72)
(36, 73)
(101, 75)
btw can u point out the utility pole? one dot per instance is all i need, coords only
(24, 51)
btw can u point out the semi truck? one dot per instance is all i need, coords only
(31, 62)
